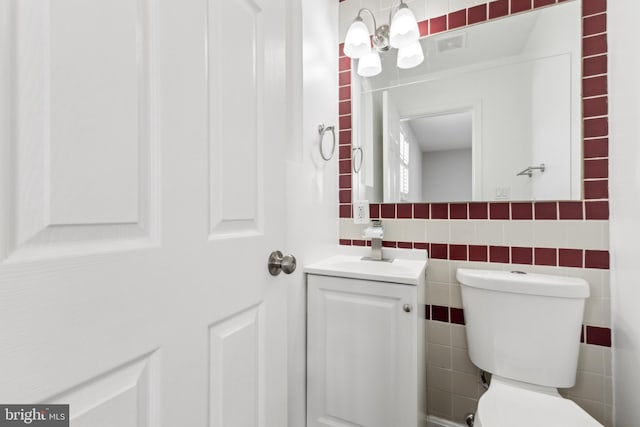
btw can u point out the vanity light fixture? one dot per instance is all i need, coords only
(402, 33)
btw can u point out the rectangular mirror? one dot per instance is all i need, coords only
(493, 113)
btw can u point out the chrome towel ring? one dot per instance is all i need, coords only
(357, 166)
(322, 130)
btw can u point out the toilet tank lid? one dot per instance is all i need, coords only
(524, 283)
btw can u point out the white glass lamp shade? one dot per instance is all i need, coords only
(410, 56)
(357, 42)
(370, 65)
(404, 29)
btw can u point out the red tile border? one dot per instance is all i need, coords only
(458, 211)
(570, 258)
(541, 3)
(438, 24)
(374, 211)
(477, 14)
(597, 210)
(545, 256)
(458, 19)
(404, 210)
(545, 210)
(571, 210)
(594, 65)
(388, 211)
(344, 181)
(522, 210)
(478, 210)
(596, 259)
(597, 168)
(598, 336)
(498, 9)
(596, 148)
(421, 211)
(439, 251)
(439, 211)
(478, 253)
(555, 257)
(499, 254)
(594, 45)
(595, 205)
(593, 107)
(440, 313)
(522, 255)
(456, 315)
(594, 86)
(520, 5)
(596, 189)
(592, 7)
(458, 252)
(499, 210)
(345, 196)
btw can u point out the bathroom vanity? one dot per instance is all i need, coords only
(366, 343)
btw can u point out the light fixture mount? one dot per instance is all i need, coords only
(381, 39)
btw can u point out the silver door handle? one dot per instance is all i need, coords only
(278, 262)
(407, 308)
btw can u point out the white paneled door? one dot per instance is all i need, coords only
(140, 176)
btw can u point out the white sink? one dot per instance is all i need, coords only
(405, 271)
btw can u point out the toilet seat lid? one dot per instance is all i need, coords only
(507, 405)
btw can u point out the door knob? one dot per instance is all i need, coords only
(278, 262)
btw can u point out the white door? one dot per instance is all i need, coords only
(140, 171)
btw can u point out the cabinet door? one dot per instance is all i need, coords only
(362, 353)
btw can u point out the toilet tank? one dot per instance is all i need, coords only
(524, 326)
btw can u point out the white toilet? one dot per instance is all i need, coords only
(525, 330)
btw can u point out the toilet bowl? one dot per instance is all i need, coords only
(510, 404)
(525, 330)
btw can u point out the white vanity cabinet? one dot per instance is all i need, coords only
(365, 351)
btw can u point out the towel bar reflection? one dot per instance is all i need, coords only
(529, 171)
(322, 130)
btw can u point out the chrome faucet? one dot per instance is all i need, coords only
(375, 232)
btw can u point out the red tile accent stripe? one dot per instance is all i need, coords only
(595, 335)
(553, 257)
(597, 169)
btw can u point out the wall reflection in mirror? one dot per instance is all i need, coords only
(489, 102)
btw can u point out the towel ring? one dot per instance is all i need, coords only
(357, 169)
(322, 130)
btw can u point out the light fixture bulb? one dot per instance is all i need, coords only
(410, 56)
(357, 42)
(404, 28)
(370, 64)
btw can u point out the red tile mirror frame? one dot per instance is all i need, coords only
(593, 206)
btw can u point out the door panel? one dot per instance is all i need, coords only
(236, 131)
(79, 160)
(139, 201)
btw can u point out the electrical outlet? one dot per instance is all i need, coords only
(502, 193)
(361, 212)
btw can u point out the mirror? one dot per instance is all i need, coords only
(493, 113)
